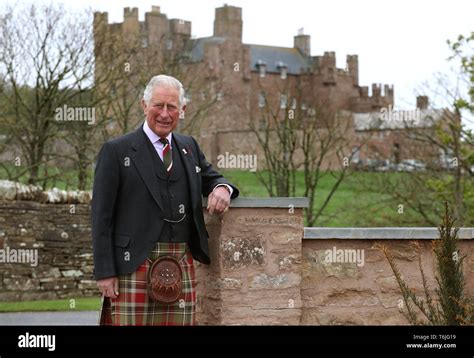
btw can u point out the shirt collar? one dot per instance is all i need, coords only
(152, 135)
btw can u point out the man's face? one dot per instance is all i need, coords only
(162, 112)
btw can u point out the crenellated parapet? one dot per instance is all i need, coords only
(155, 29)
(378, 99)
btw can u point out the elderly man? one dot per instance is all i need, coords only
(147, 205)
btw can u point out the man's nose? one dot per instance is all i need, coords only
(164, 112)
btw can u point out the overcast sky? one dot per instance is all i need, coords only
(400, 42)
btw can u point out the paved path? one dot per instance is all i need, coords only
(80, 318)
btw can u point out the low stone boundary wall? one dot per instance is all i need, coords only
(347, 280)
(266, 267)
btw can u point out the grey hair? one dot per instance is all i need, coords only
(164, 81)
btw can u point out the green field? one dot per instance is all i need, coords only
(356, 203)
(64, 179)
(67, 304)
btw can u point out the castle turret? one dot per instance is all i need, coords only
(228, 22)
(130, 26)
(302, 43)
(388, 92)
(156, 25)
(130, 18)
(328, 67)
(101, 19)
(353, 68)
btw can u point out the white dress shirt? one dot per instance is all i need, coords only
(155, 139)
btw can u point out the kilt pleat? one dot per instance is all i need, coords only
(133, 307)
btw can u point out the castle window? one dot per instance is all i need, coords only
(220, 95)
(283, 101)
(144, 42)
(261, 99)
(169, 44)
(283, 70)
(262, 67)
(355, 154)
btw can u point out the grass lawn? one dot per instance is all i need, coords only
(356, 203)
(67, 304)
(64, 179)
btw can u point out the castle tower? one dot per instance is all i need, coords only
(130, 20)
(328, 67)
(353, 68)
(101, 21)
(302, 43)
(228, 22)
(389, 95)
(156, 26)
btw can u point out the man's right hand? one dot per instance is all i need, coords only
(109, 287)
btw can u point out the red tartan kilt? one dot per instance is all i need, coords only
(133, 307)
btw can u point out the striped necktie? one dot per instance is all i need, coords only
(167, 157)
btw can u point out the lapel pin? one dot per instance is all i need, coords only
(185, 151)
(198, 169)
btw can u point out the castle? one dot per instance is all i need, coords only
(249, 76)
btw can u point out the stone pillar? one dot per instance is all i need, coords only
(255, 274)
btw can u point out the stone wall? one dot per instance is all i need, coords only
(266, 268)
(365, 292)
(60, 236)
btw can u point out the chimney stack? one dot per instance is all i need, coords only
(422, 102)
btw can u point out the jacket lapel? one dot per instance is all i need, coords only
(190, 166)
(141, 156)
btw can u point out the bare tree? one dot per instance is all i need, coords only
(440, 137)
(131, 61)
(275, 128)
(328, 151)
(52, 60)
(47, 59)
(298, 129)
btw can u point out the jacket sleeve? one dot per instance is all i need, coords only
(211, 177)
(104, 197)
